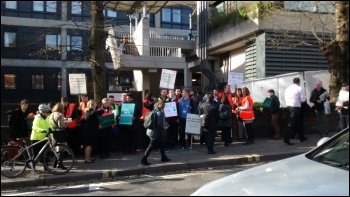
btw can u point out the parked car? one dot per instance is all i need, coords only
(323, 171)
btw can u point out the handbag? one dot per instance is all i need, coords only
(244, 115)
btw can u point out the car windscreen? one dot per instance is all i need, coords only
(334, 152)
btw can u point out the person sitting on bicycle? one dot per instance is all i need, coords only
(40, 129)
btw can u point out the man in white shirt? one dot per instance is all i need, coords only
(294, 96)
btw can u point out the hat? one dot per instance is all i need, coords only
(344, 84)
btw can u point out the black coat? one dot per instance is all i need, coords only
(91, 126)
(212, 111)
(18, 123)
(315, 95)
(275, 105)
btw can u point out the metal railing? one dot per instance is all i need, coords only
(161, 51)
(172, 34)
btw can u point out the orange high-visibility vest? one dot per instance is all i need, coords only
(250, 103)
(82, 107)
(69, 112)
(144, 110)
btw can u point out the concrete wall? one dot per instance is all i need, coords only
(237, 61)
(133, 62)
(183, 44)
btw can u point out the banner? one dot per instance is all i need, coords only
(77, 84)
(193, 124)
(167, 80)
(170, 109)
(126, 114)
(106, 121)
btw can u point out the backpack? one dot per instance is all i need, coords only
(225, 114)
(150, 119)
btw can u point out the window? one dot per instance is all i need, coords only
(48, 6)
(11, 4)
(10, 81)
(309, 6)
(109, 13)
(53, 41)
(38, 6)
(51, 6)
(176, 16)
(38, 82)
(166, 15)
(76, 7)
(74, 43)
(10, 39)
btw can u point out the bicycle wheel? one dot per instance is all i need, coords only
(59, 159)
(12, 163)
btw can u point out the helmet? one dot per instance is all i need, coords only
(44, 107)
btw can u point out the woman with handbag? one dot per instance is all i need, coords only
(246, 113)
(225, 121)
(58, 125)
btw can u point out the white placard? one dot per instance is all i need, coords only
(167, 79)
(324, 96)
(170, 109)
(235, 78)
(193, 124)
(77, 84)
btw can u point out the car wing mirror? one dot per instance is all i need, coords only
(322, 140)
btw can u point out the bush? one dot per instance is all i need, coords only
(257, 106)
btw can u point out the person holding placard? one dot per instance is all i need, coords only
(186, 106)
(104, 134)
(275, 113)
(318, 98)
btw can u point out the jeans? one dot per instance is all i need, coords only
(343, 121)
(294, 124)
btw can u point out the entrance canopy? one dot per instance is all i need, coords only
(152, 7)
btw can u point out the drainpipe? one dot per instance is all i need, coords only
(144, 8)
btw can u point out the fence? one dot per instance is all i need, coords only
(259, 87)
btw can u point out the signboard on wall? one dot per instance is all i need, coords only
(77, 83)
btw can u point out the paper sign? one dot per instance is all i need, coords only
(77, 84)
(235, 78)
(126, 114)
(324, 95)
(193, 124)
(170, 109)
(167, 80)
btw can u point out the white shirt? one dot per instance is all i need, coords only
(294, 95)
(343, 96)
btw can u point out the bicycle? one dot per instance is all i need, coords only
(57, 159)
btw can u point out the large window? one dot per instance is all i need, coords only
(45, 6)
(38, 82)
(110, 13)
(310, 6)
(10, 39)
(166, 15)
(10, 81)
(175, 17)
(11, 4)
(74, 43)
(76, 7)
(53, 41)
(171, 15)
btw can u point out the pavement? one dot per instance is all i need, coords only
(119, 164)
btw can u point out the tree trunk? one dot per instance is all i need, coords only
(337, 52)
(97, 46)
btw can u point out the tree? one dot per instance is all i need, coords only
(337, 51)
(97, 46)
(317, 18)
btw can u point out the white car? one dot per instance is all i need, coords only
(323, 171)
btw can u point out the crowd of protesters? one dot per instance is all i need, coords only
(230, 112)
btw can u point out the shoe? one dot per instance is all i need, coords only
(165, 160)
(167, 150)
(89, 161)
(190, 149)
(182, 149)
(247, 142)
(61, 167)
(145, 162)
(303, 139)
(288, 142)
(211, 152)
